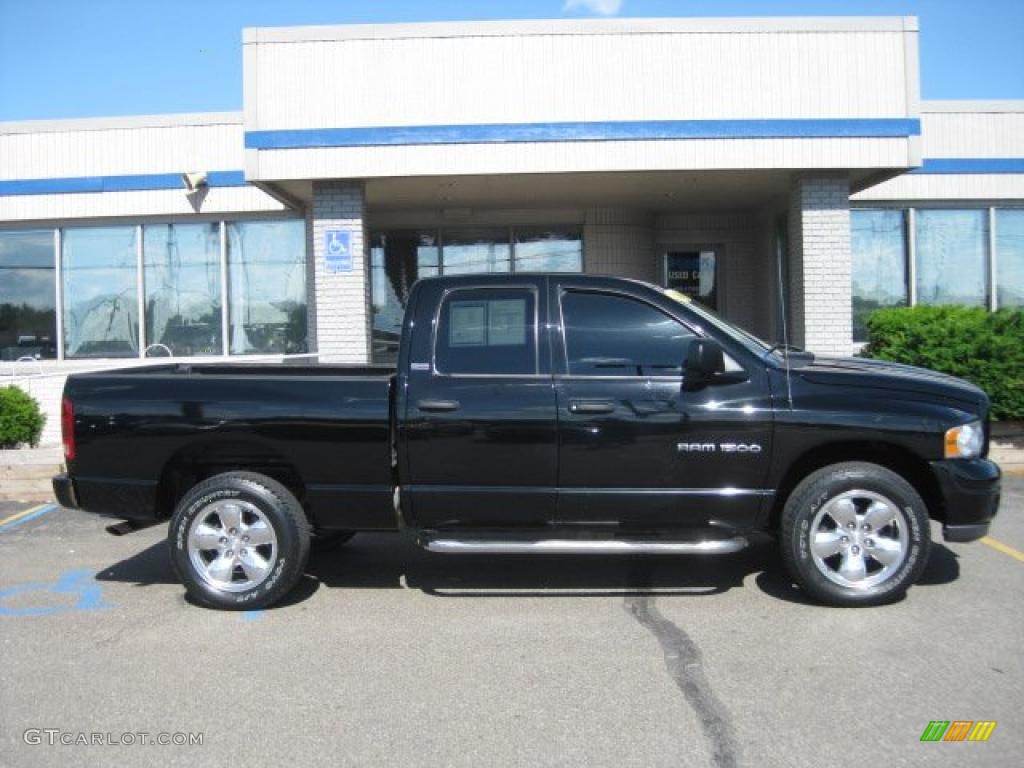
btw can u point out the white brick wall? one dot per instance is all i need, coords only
(744, 269)
(340, 313)
(629, 243)
(819, 264)
(619, 242)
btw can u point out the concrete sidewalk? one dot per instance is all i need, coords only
(1007, 447)
(25, 473)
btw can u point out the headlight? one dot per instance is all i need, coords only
(965, 441)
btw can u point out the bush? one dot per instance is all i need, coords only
(21, 421)
(983, 347)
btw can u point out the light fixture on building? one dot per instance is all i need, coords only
(196, 188)
(194, 181)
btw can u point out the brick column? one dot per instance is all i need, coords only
(820, 303)
(340, 300)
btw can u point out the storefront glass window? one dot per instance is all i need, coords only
(1010, 257)
(28, 318)
(879, 264)
(952, 251)
(546, 250)
(472, 251)
(267, 279)
(100, 292)
(397, 260)
(183, 291)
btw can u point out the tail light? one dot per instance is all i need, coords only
(67, 428)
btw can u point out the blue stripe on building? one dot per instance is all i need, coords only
(498, 133)
(75, 184)
(954, 165)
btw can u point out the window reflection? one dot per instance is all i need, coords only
(879, 264)
(397, 260)
(28, 317)
(267, 279)
(1010, 250)
(100, 292)
(952, 251)
(476, 250)
(543, 250)
(183, 291)
(608, 335)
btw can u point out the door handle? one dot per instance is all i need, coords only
(591, 406)
(438, 405)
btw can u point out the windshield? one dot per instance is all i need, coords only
(751, 342)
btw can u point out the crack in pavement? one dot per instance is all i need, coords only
(685, 666)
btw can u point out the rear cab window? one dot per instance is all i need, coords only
(487, 332)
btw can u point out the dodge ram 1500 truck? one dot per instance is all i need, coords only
(540, 414)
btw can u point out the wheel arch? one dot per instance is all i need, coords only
(198, 461)
(896, 458)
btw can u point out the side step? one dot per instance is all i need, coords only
(452, 546)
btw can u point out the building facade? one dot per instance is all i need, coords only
(782, 171)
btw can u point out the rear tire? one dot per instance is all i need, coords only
(855, 534)
(239, 541)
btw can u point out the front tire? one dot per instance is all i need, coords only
(239, 541)
(855, 534)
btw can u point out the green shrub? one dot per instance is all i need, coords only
(983, 347)
(21, 421)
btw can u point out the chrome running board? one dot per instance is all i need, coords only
(452, 546)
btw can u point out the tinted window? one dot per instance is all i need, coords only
(615, 336)
(28, 318)
(488, 332)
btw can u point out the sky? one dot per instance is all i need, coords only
(91, 58)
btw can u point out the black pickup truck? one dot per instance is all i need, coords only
(540, 414)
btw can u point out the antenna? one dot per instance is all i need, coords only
(785, 330)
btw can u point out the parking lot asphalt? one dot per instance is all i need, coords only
(388, 655)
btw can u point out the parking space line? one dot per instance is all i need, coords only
(24, 516)
(1006, 549)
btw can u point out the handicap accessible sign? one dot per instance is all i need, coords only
(338, 250)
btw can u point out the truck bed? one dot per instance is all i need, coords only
(325, 427)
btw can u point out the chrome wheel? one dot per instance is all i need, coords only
(232, 545)
(859, 539)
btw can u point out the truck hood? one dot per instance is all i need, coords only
(878, 374)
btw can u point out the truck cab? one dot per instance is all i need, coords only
(568, 402)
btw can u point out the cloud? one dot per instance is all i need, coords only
(600, 7)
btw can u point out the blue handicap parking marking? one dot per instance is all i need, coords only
(76, 582)
(252, 615)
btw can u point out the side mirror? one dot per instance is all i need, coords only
(705, 361)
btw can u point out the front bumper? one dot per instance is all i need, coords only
(970, 496)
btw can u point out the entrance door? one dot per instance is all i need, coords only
(694, 273)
